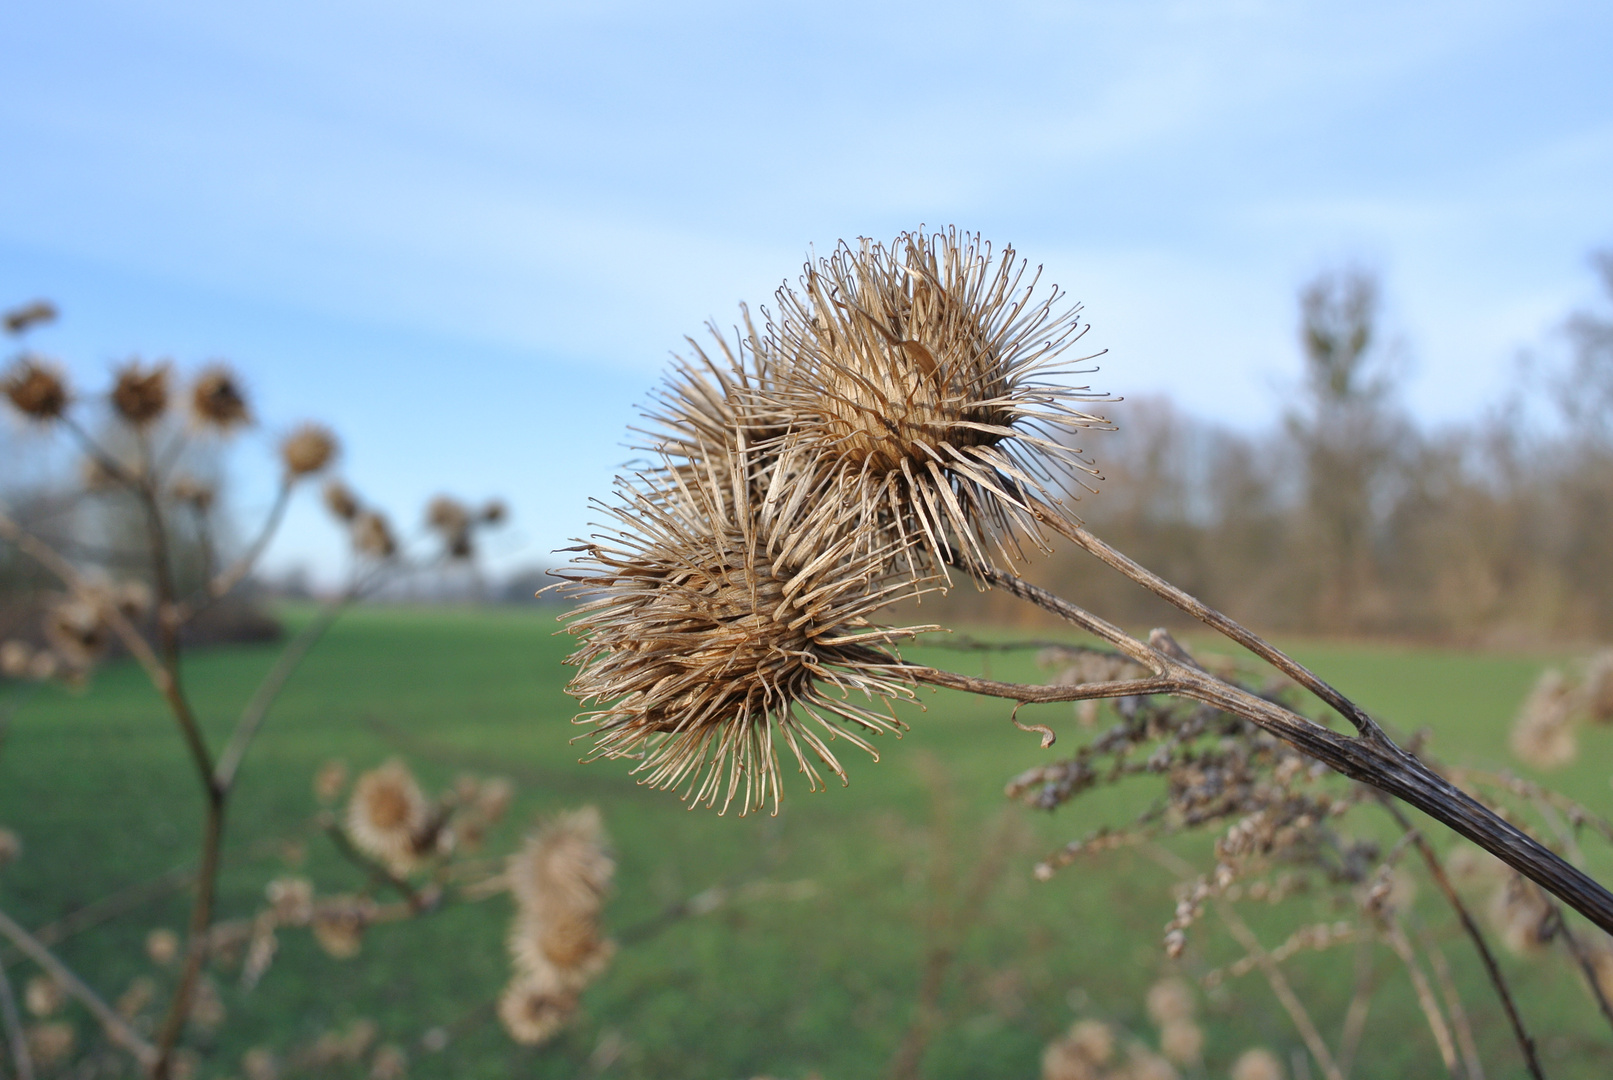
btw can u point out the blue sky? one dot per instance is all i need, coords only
(468, 235)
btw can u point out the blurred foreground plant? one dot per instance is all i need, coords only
(145, 445)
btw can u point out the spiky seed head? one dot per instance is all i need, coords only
(1170, 1000)
(928, 380)
(1257, 1063)
(372, 535)
(713, 634)
(217, 401)
(162, 946)
(447, 514)
(1543, 734)
(1597, 689)
(386, 815)
(197, 494)
(340, 500)
(308, 449)
(568, 946)
(533, 1010)
(338, 925)
(43, 995)
(36, 389)
(565, 865)
(24, 318)
(1182, 1041)
(389, 1063)
(330, 780)
(15, 657)
(291, 899)
(51, 1044)
(140, 392)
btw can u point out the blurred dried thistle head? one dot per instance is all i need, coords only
(77, 629)
(140, 393)
(36, 389)
(387, 815)
(162, 946)
(43, 995)
(1080, 1054)
(330, 780)
(451, 519)
(1257, 1063)
(194, 493)
(372, 535)
(1170, 1001)
(709, 630)
(926, 381)
(16, 656)
(291, 899)
(566, 864)
(340, 500)
(216, 399)
(307, 450)
(338, 925)
(533, 1009)
(1543, 734)
(493, 512)
(27, 316)
(51, 1044)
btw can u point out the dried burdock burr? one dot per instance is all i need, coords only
(340, 500)
(216, 399)
(36, 389)
(308, 449)
(925, 380)
(714, 636)
(372, 535)
(22, 319)
(386, 814)
(140, 392)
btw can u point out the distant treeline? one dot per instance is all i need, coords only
(1350, 518)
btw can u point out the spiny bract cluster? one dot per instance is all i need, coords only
(897, 417)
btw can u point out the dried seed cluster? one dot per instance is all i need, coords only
(901, 413)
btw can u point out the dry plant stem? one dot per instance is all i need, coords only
(116, 1029)
(1370, 757)
(1355, 1017)
(236, 572)
(12, 1023)
(1396, 937)
(1587, 965)
(416, 901)
(1442, 881)
(1453, 1005)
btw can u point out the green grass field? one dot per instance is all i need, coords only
(815, 972)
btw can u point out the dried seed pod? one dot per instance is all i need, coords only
(36, 389)
(565, 865)
(533, 1010)
(340, 500)
(338, 925)
(1543, 734)
(308, 449)
(372, 535)
(216, 399)
(20, 319)
(923, 381)
(709, 628)
(387, 814)
(140, 394)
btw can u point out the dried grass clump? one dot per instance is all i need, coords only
(36, 389)
(308, 450)
(921, 378)
(1543, 735)
(140, 394)
(216, 399)
(712, 633)
(387, 816)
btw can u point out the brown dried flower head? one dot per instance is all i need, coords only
(387, 814)
(1182, 1041)
(291, 899)
(43, 995)
(217, 401)
(308, 449)
(372, 535)
(565, 865)
(1170, 1001)
(533, 1010)
(714, 634)
(140, 394)
(76, 628)
(1257, 1064)
(451, 519)
(1543, 734)
(16, 656)
(36, 389)
(340, 500)
(926, 380)
(162, 946)
(1081, 1054)
(338, 925)
(26, 317)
